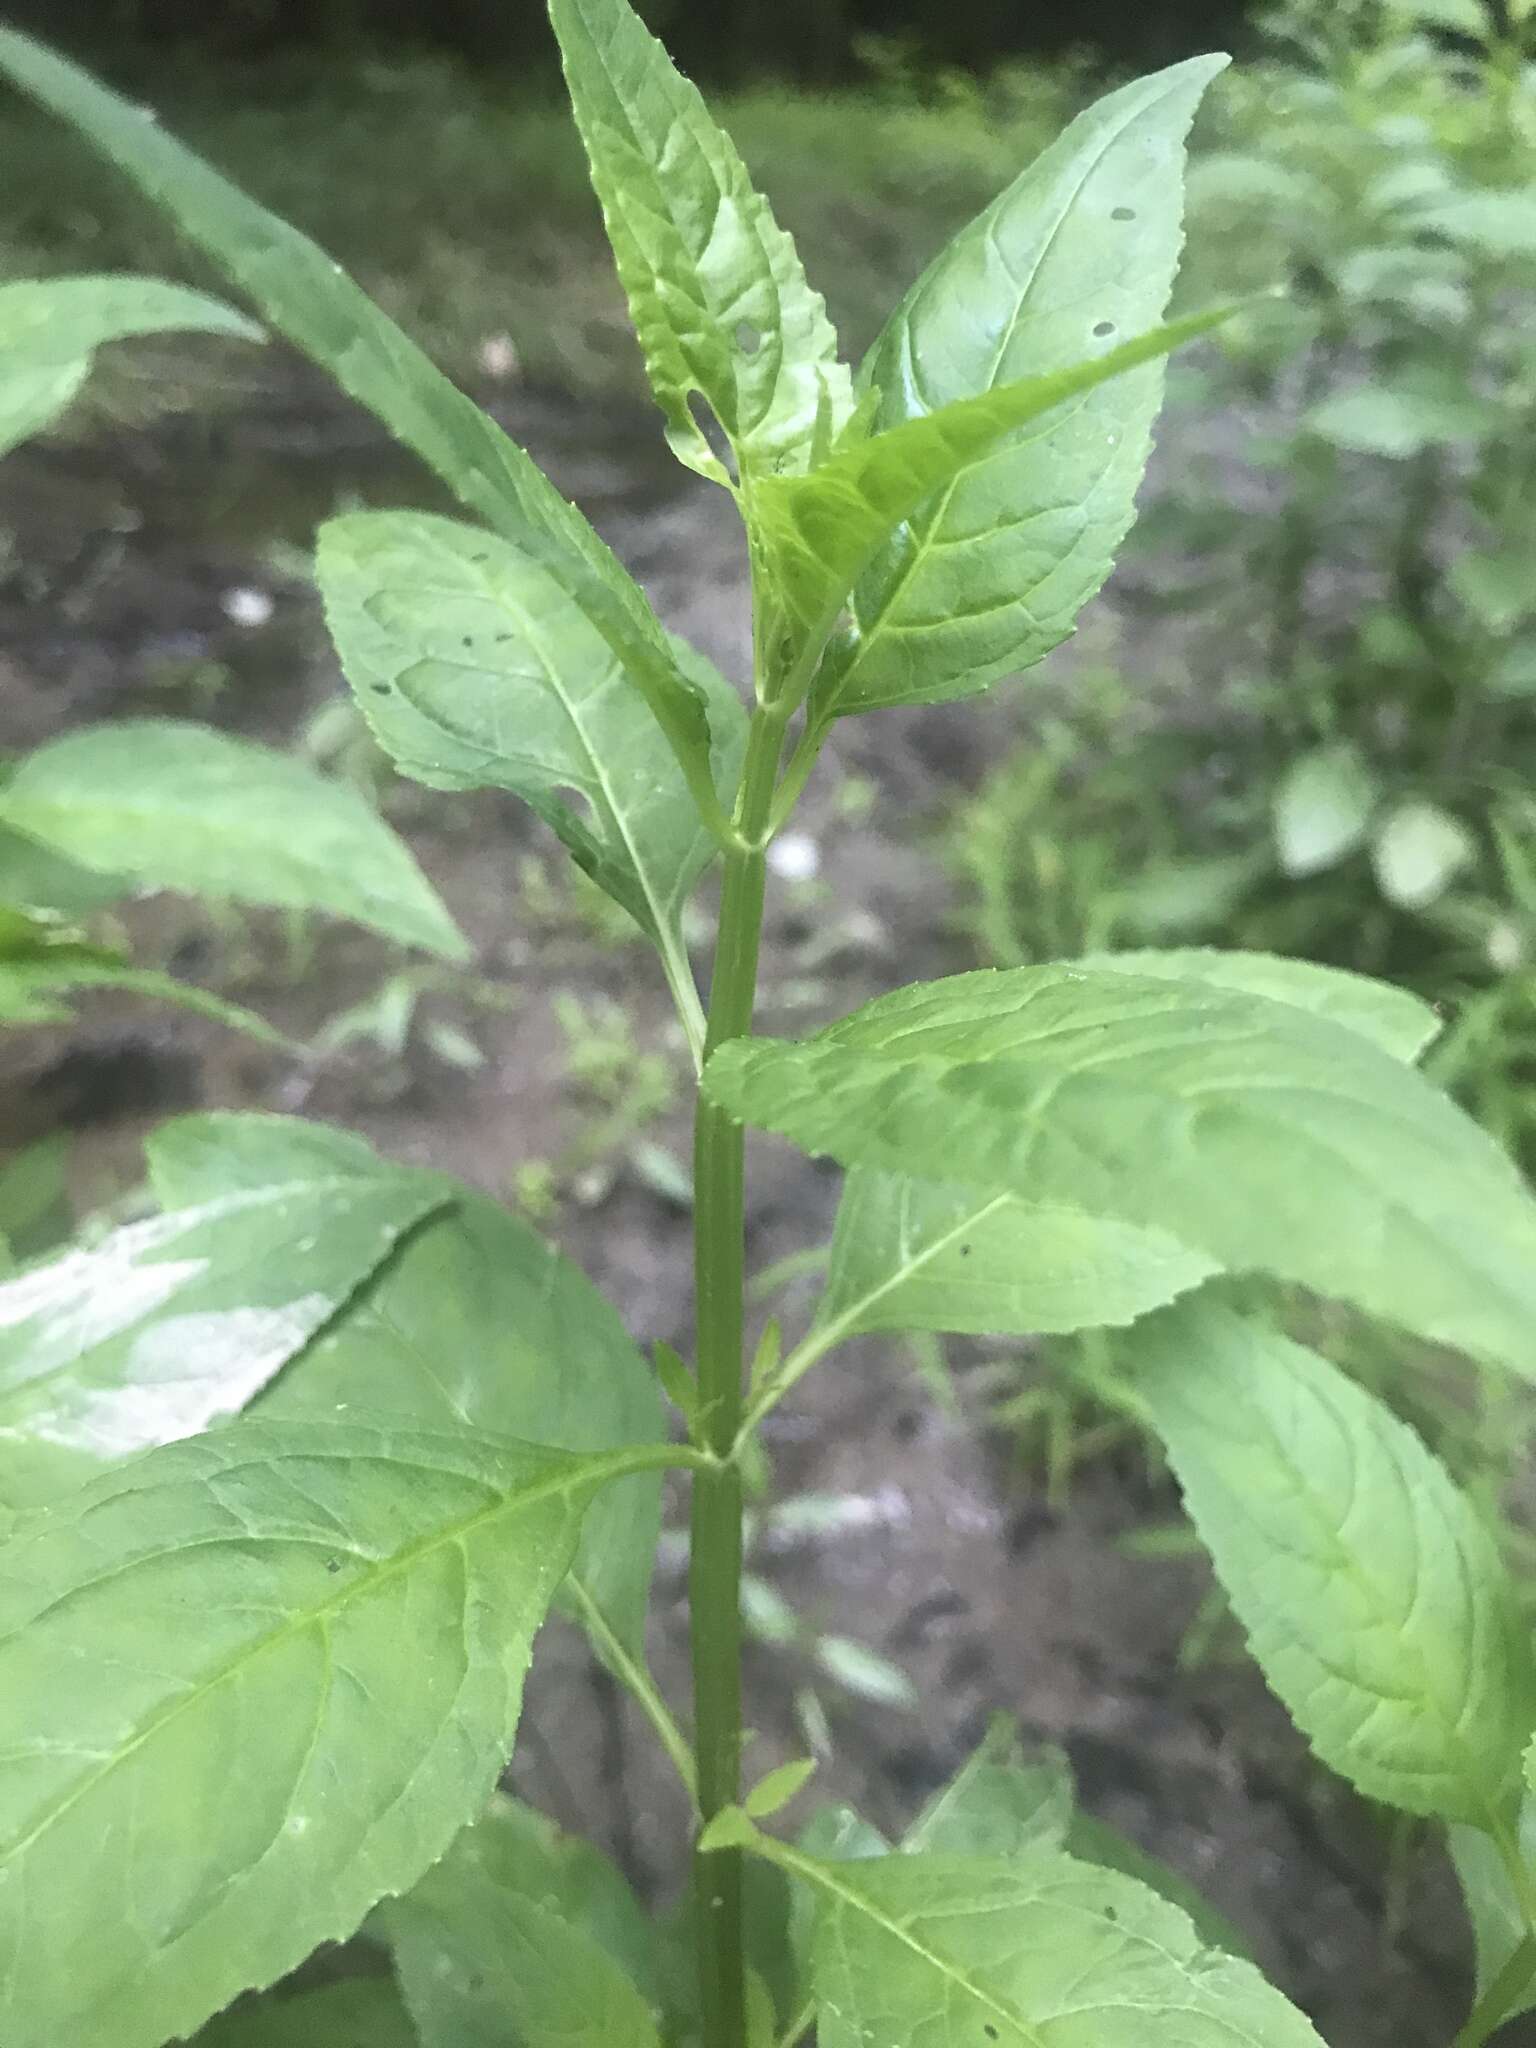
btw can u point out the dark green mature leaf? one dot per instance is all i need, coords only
(170, 1324)
(818, 533)
(1256, 1134)
(913, 1254)
(1036, 1951)
(477, 1322)
(717, 294)
(363, 2012)
(51, 327)
(335, 1620)
(309, 298)
(499, 1942)
(1373, 1596)
(1499, 1924)
(178, 806)
(474, 670)
(990, 573)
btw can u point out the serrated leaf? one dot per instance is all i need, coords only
(817, 534)
(1255, 1134)
(477, 1322)
(1372, 1595)
(495, 1943)
(362, 2012)
(1035, 1952)
(310, 299)
(719, 299)
(913, 1254)
(989, 575)
(475, 670)
(1418, 852)
(178, 806)
(1390, 1018)
(168, 1325)
(1323, 808)
(997, 1804)
(51, 327)
(1499, 1924)
(337, 1619)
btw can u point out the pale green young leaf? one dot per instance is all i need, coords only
(774, 1791)
(719, 299)
(362, 2012)
(40, 880)
(1035, 1951)
(1419, 852)
(1393, 1020)
(989, 575)
(1498, 1923)
(817, 534)
(180, 806)
(336, 1619)
(1373, 1596)
(474, 669)
(999, 1803)
(1323, 808)
(493, 1945)
(1255, 1134)
(1400, 421)
(170, 1324)
(475, 1322)
(308, 297)
(913, 1254)
(51, 327)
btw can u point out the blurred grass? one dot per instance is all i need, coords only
(465, 209)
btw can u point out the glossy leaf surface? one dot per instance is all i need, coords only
(170, 1324)
(51, 327)
(179, 806)
(477, 1322)
(989, 575)
(1372, 1595)
(719, 299)
(499, 1941)
(336, 1620)
(1254, 1133)
(818, 533)
(310, 299)
(363, 2012)
(474, 670)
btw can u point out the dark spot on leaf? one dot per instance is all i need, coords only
(748, 339)
(333, 1564)
(989, 2030)
(965, 1251)
(1111, 1913)
(1123, 213)
(468, 640)
(379, 689)
(1104, 327)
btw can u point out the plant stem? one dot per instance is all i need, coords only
(715, 1553)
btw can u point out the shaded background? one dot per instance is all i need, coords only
(728, 41)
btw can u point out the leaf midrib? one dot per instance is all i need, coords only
(456, 1534)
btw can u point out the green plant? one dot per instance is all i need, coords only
(335, 1594)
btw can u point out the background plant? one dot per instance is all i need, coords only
(447, 1428)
